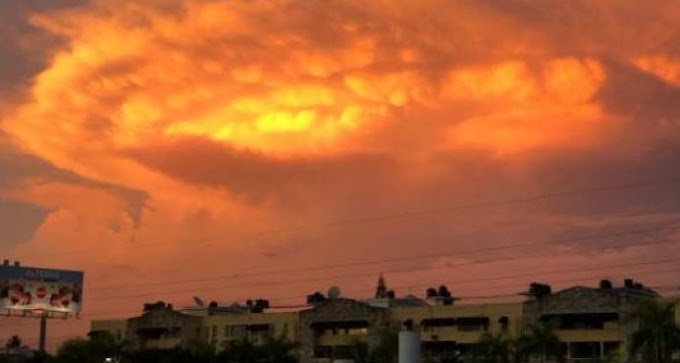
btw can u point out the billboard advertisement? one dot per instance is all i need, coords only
(37, 290)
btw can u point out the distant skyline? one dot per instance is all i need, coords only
(269, 149)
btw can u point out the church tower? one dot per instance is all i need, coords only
(381, 289)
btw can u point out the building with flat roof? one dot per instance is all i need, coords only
(591, 322)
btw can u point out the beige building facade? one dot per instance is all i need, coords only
(591, 322)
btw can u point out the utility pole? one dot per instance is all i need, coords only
(43, 331)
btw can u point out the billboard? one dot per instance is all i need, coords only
(38, 290)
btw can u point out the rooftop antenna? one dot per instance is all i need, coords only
(198, 301)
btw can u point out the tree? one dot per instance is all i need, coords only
(494, 348)
(95, 349)
(200, 350)
(13, 342)
(76, 350)
(387, 349)
(239, 351)
(272, 350)
(278, 350)
(359, 350)
(658, 336)
(175, 355)
(539, 340)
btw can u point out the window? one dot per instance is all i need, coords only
(438, 322)
(357, 331)
(473, 324)
(260, 328)
(237, 331)
(584, 321)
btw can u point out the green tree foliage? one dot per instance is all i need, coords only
(102, 346)
(658, 335)
(200, 350)
(494, 348)
(95, 349)
(239, 351)
(539, 341)
(359, 351)
(278, 350)
(273, 350)
(13, 342)
(387, 349)
(176, 355)
(76, 350)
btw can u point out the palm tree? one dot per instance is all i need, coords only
(539, 340)
(387, 349)
(359, 350)
(278, 349)
(201, 350)
(658, 336)
(239, 351)
(13, 342)
(76, 350)
(494, 348)
(273, 350)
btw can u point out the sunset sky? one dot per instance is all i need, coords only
(235, 149)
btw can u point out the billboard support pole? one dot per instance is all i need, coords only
(43, 331)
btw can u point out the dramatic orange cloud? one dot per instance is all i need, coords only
(219, 70)
(185, 139)
(663, 67)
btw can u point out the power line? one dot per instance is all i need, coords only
(361, 274)
(570, 280)
(660, 261)
(469, 297)
(423, 212)
(668, 227)
(458, 282)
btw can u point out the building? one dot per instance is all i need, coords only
(457, 328)
(590, 321)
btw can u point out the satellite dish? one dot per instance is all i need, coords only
(334, 292)
(198, 301)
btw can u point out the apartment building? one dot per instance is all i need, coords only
(446, 328)
(591, 322)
